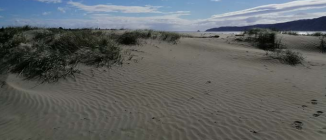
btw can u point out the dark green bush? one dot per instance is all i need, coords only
(6, 35)
(129, 38)
(264, 39)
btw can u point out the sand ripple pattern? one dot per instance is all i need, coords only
(188, 91)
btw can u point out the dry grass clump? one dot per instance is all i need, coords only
(317, 34)
(290, 33)
(132, 37)
(169, 37)
(322, 45)
(51, 54)
(7, 33)
(266, 39)
(255, 31)
(288, 57)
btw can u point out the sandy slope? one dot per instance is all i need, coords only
(200, 89)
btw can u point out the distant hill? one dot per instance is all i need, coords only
(318, 24)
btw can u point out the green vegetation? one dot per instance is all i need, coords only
(129, 38)
(132, 37)
(266, 39)
(51, 54)
(290, 33)
(169, 37)
(322, 45)
(255, 31)
(289, 57)
(317, 34)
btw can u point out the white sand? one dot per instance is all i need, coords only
(200, 89)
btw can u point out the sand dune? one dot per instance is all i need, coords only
(199, 89)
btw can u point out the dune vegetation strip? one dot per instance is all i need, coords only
(290, 33)
(322, 45)
(266, 39)
(51, 54)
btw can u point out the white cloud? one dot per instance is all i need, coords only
(116, 8)
(174, 21)
(46, 13)
(215, 0)
(163, 22)
(50, 1)
(276, 8)
(258, 19)
(180, 12)
(63, 10)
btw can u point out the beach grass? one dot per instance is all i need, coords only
(322, 45)
(317, 34)
(288, 57)
(266, 39)
(290, 33)
(51, 54)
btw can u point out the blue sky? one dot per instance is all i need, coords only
(177, 15)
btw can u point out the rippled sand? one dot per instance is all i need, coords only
(200, 89)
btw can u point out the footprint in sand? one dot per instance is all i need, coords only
(297, 125)
(318, 113)
(314, 102)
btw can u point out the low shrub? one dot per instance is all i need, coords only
(132, 37)
(322, 45)
(267, 40)
(264, 39)
(170, 37)
(51, 54)
(289, 57)
(256, 31)
(49, 57)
